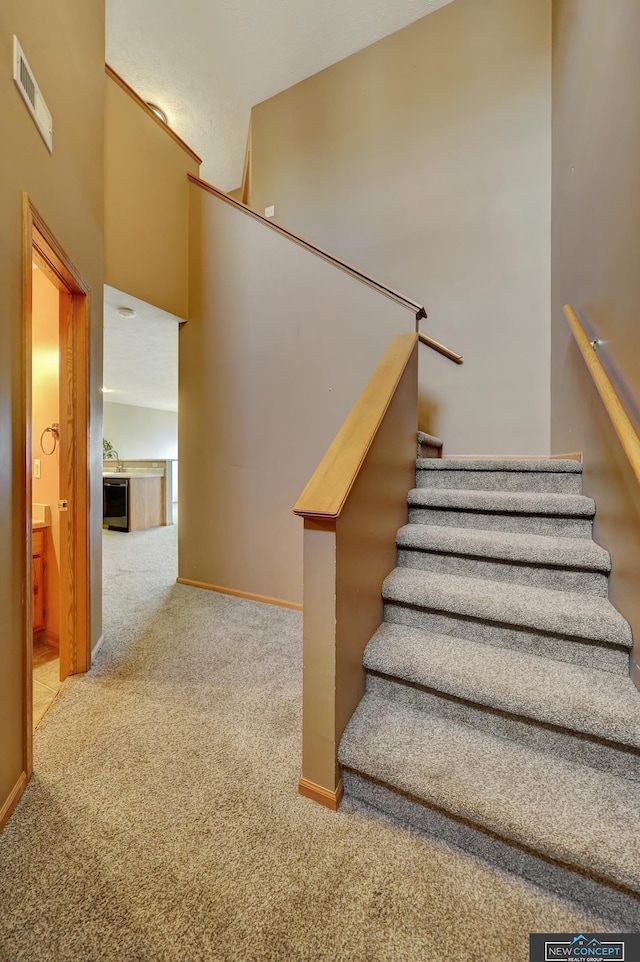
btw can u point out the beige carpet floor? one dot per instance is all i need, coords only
(162, 823)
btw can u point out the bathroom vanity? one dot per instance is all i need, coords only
(38, 555)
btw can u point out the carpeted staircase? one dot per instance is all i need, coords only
(499, 712)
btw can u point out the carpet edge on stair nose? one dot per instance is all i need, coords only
(542, 609)
(569, 553)
(509, 680)
(528, 465)
(504, 502)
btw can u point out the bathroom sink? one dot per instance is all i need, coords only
(40, 514)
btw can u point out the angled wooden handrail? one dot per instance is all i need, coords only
(110, 72)
(627, 434)
(413, 306)
(326, 493)
(440, 348)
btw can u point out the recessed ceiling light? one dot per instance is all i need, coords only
(160, 114)
(126, 312)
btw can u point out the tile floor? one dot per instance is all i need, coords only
(46, 679)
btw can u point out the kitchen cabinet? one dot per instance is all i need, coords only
(146, 503)
(133, 502)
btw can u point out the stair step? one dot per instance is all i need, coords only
(561, 515)
(595, 899)
(611, 758)
(569, 564)
(563, 811)
(500, 474)
(526, 465)
(569, 697)
(429, 446)
(564, 625)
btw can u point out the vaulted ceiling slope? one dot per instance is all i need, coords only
(207, 62)
(140, 353)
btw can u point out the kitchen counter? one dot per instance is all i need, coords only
(127, 475)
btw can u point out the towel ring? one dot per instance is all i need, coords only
(54, 430)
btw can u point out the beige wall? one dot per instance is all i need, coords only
(146, 205)
(45, 409)
(66, 52)
(141, 433)
(596, 253)
(425, 160)
(276, 350)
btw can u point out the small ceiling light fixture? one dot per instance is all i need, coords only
(126, 312)
(160, 114)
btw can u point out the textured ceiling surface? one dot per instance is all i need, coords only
(140, 354)
(207, 62)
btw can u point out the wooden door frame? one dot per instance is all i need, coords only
(39, 243)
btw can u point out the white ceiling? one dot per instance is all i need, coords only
(207, 62)
(140, 354)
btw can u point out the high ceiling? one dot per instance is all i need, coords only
(207, 62)
(140, 354)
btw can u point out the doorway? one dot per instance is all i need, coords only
(45, 491)
(56, 462)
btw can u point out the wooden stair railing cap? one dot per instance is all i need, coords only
(328, 489)
(440, 348)
(110, 72)
(622, 425)
(417, 309)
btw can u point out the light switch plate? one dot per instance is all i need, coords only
(270, 211)
(36, 468)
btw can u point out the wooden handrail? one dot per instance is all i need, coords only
(627, 434)
(245, 189)
(110, 72)
(413, 306)
(327, 491)
(440, 348)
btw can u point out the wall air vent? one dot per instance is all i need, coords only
(26, 84)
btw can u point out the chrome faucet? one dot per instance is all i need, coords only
(113, 455)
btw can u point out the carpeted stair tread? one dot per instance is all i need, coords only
(567, 812)
(504, 502)
(566, 696)
(570, 553)
(429, 440)
(543, 609)
(533, 465)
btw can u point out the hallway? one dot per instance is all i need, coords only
(163, 822)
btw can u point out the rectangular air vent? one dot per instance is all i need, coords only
(26, 84)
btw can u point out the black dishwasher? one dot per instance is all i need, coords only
(115, 504)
